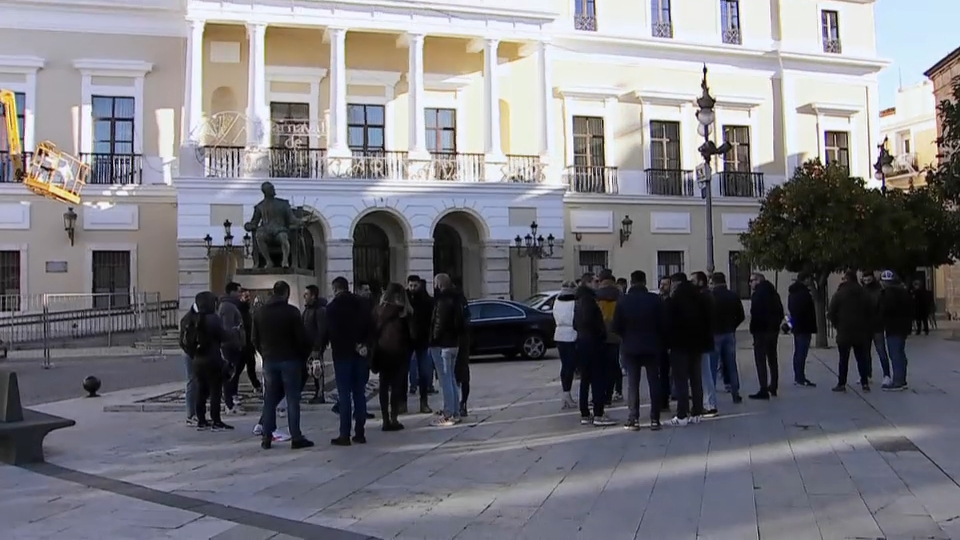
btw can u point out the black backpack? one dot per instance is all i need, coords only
(191, 334)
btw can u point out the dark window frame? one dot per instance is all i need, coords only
(114, 121)
(730, 14)
(830, 28)
(662, 141)
(738, 159)
(367, 126)
(118, 281)
(838, 144)
(660, 11)
(290, 113)
(11, 291)
(668, 268)
(440, 128)
(588, 136)
(585, 8)
(601, 260)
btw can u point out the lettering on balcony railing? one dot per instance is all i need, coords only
(453, 167)
(831, 46)
(369, 165)
(670, 182)
(741, 184)
(905, 164)
(662, 29)
(6, 166)
(297, 162)
(731, 36)
(585, 22)
(592, 179)
(222, 161)
(112, 169)
(523, 170)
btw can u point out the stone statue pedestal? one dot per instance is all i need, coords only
(259, 281)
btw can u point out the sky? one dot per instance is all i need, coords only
(914, 35)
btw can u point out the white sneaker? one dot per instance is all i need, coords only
(694, 419)
(258, 430)
(281, 436)
(443, 421)
(586, 420)
(603, 421)
(887, 381)
(678, 422)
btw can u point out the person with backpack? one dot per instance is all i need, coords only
(202, 337)
(608, 294)
(393, 346)
(231, 317)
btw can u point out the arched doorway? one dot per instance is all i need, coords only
(379, 250)
(458, 251)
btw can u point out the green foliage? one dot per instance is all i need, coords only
(944, 178)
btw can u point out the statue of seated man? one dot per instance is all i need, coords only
(272, 221)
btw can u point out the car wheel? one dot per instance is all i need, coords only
(533, 348)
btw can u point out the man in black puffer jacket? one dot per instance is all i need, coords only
(728, 315)
(803, 324)
(421, 362)
(896, 312)
(201, 337)
(766, 316)
(852, 313)
(689, 337)
(591, 342)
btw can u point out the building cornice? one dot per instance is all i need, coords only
(99, 193)
(657, 200)
(214, 189)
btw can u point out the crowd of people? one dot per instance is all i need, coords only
(684, 337)
(404, 338)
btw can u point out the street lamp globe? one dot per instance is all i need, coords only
(888, 169)
(706, 117)
(878, 176)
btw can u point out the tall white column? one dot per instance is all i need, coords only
(873, 117)
(194, 83)
(258, 113)
(338, 91)
(547, 117)
(491, 92)
(418, 132)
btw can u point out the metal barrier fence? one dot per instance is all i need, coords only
(74, 320)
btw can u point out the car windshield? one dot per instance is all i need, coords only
(535, 299)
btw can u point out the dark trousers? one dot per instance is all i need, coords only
(231, 385)
(861, 352)
(593, 372)
(765, 358)
(611, 356)
(801, 347)
(923, 320)
(282, 380)
(687, 381)
(464, 392)
(393, 378)
(352, 374)
(568, 363)
(249, 362)
(666, 383)
(634, 364)
(209, 375)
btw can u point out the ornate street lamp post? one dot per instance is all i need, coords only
(884, 165)
(228, 246)
(708, 150)
(534, 247)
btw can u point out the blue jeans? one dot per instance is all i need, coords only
(444, 360)
(708, 376)
(191, 393)
(723, 359)
(801, 347)
(282, 380)
(352, 374)
(421, 370)
(897, 347)
(880, 344)
(568, 363)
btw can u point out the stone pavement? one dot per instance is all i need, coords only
(810, 464)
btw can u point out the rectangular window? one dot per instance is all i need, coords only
(366, 127)
(665, 145)
(661, 22)
(20, 100)
(830, 21)
(113, 160)
(738, 158)
(111, 279)
(585, 15)
(441, 131)
(837, 148)
(730, 21)
(669, 263)
(10, 281)
(289, 125)
(593, 261)
(589, 155)
(739, 275)
(906, 146)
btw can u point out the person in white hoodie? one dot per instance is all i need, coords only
(566, 338)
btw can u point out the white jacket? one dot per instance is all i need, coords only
(563, 315)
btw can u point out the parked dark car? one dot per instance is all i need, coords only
(509, 328)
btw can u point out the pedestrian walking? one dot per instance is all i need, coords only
(231, 317)
(766, 316)
(565, 337)
(851, 313)
(874, 290)
(896, 308)
(803, 324)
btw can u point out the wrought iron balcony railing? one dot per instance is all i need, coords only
(221, 161)
(741, 184)
(905, 164)
(731, 36)
(662, 29)
(297, 162)
(454, 167)
(832, 46)
(585, 22)
(592, 179)
(369, 165)
(670, 182)
(523, 170)
(6, 166)
(114, 169)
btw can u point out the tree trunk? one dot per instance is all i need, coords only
(820, 305)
